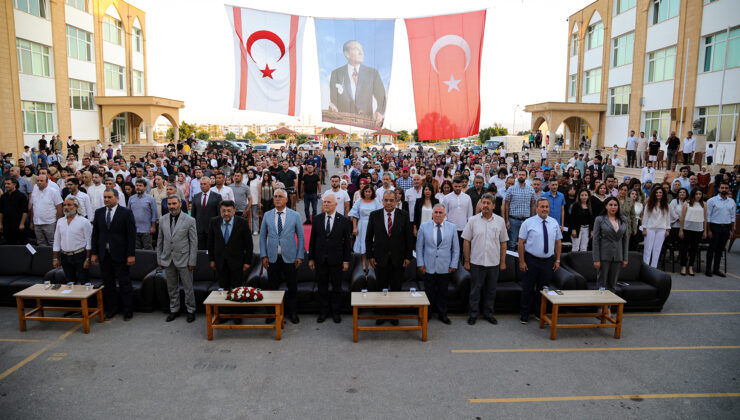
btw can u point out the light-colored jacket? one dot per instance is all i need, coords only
(610, 244)
(179, 246)
(269, 238)
(437, 260)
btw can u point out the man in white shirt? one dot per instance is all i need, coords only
(46, 208)
(642, 146)
(226, 192)
(459, 206)
(387, 186)
(85, 207)
(631, 149)
(95, 192)
(343, 200)
(413, 194)
(648, 173)
(71, 247)
(688, 148)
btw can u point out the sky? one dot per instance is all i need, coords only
(190, 56)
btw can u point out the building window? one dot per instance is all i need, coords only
(572, 83)
(624, 5)
(714, 50)
(114, 77)
(112, 30)
(662, 65)
(38, 117)
(619, 100)
(33, 58)
(595, 35)
(659, 121)
(664, 10)
(138, 82)
(710, 121)
(77, 4)
(622, 50)
(81, 95)
(79, 44)
(592, 81)
(574, 44)
(34, 7)
(136, 40)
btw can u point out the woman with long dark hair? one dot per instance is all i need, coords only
(610, 244)
(692, 229)
(656, 225)
(581, 221)
(423, 206)
(675, 206)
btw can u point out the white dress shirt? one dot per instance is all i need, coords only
(226, 193)
(71, 236)
(459, 209)
(689, 145)
(332, 219)
(282, 220)
(44, 204)
(95, 192)
(441, 230)
(385, 220)
(411, 196)
(379, 193)
(351, 69)
(647, 174)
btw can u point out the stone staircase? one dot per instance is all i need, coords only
(139, 150)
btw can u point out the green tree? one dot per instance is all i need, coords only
(416, 134)
(403, 135)
(301, 138)
(202, 134)
(495, 131)
(230, 136)
(250, 135)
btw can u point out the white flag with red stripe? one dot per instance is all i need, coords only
(268, 50)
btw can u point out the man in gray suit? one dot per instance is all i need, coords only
(177, 251)
(206, 205)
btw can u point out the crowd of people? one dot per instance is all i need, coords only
(449, 209)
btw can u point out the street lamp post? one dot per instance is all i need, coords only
(513, 125)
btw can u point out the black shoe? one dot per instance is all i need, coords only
(718, 273)
(127, 316)
(269, 320)
(237, 321)
(536, 317)
(394, 322)
(471, 320)
(321, 318)
(110, 315)
(171, 317)
(307, 222)
(191, 317)
(523, 321)
(708, 274)
(337, 318)
(379, 321)
(294, 319)
(492, 320)
(444, 319)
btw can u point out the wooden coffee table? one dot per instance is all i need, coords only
(216, 300)
(39, 293)
(581, 298)
(394, 300)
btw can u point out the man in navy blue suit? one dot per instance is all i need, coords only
(113, 247)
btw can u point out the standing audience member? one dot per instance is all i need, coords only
(581, 221)
(72, 242)
(610, 245)
(46, 209)
(693, 229)
(519, 206)
(13, 213)
(205, 206)
(721, 217)
(146, 214)
(656, 225)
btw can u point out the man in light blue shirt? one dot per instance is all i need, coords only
(684, 178)
(539, 256)
(557, 203)
(631, 149)
(146, 215)
(721, 217)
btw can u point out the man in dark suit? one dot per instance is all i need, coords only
(229, 247)
(389, 243)
(353, 87)
(206, 206)
(113, 246)
(329, 248)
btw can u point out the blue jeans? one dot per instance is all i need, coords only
(310, 200)
(514, 225)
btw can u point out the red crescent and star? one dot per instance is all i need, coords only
(270, 36)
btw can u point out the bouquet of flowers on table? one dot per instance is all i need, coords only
(244, 294)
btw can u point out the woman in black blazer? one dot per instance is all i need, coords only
(428, 200)
(610, 244)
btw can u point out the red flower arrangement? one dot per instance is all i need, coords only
(244, 294)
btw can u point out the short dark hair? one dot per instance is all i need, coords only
(13, 181)
(73, 180)
(458, 180)
(228, 203)
(141, 181)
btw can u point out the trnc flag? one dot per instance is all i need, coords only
(268, 55)
(445, 69)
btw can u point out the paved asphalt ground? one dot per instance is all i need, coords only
(683, 362)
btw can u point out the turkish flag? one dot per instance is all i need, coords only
(268, 55)
(445, 68)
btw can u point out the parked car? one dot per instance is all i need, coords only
(312, 145)
(425, 146)
(385, 146)
(199, 146)
(356, 145)
(277, 144)
(493, 144)
(246, 142)
(219, 145)
(260, 148)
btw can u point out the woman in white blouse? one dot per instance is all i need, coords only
(656, 225)
(693, 228)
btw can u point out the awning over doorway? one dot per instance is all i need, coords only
(146, 109)
(569, 113)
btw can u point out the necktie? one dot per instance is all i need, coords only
(328, 225)
(107, 218)
(280, 223)
(390, 224)
(227, 233)
(544, 232)
(439, 235)
(355, 75)
(204, 200)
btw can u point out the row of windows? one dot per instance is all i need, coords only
(81, 95)
(715, 125)
(38, 117)
(33, 58)
(79, 44)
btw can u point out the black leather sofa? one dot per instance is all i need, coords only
(643, 287)
(19, 269)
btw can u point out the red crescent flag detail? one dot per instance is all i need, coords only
(445, 69)
(265, 35)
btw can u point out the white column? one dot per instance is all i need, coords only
(176, 137)
(594, 143)
(106, 134)
(150, 134)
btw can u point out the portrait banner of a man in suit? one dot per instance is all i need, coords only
(355, 58)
